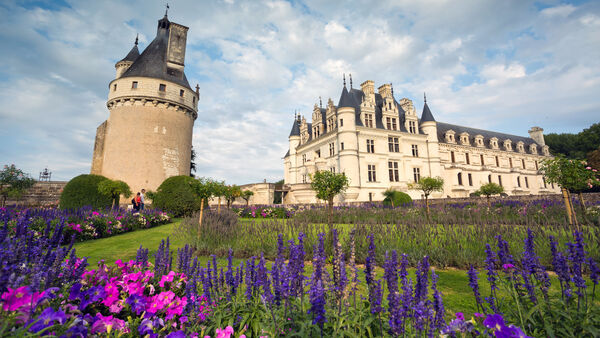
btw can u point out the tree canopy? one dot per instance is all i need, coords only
(574, 146)
(13, 182)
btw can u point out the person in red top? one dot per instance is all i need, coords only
(138, 202)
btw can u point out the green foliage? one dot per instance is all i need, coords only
(575, 146)
(114, 189)
(205, 188)
(396, 198)
(490, 189)
(428, 185)
(573, 175)
(13, 182)
(231, 193)
(328, 184)
(177, 196)
(246, 194)
(83, 191)
(593, 159)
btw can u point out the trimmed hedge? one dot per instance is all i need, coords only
(400, 198)
(175, 195)
(82, 191)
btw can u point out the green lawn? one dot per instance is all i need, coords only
(452, 283)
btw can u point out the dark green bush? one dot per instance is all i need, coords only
(83, 191)
(400, 198)
(175, 195)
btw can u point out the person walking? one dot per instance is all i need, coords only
(143, 196)
(138, 202)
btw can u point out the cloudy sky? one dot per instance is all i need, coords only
(502, 65)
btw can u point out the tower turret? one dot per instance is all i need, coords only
(128, 60)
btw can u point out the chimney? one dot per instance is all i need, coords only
(537, 134)
(385, 90)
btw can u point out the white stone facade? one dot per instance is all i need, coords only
(380, 143)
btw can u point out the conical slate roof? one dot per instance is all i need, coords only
(133, 54)
(153, 60)
(427, 115)
(295, 129)
(346, 99)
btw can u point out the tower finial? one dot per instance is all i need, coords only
(167, 9)
(350, 80)
(424, 97)
(392, 87)
(344, 80)
(136, 39)
(320, 102)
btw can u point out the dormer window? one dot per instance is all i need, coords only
(494, 143)
(546, 151)
(450, 136)
(508, 145)
(520, 147)
(533, 148)
(464, 138)
(479, 141)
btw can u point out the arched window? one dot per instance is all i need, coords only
(460, 179)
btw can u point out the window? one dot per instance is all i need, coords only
(412, 127)
(194, 100)
(304, 178)
(370, 197)
(369, 120)
(526, 182)
(467, 159)
(341, 122)
(370, 146)
(318, 153)
(523, 162)
(415, 150)
(500, 180)
(388, 123)
(481, 159)
(394, 144)
(416, 174)
(371, 172)
(115, 87)
(304, 158)
(452, 159)
(518, 181)
(393, 169)
(536, 165)
(489, 178)
(342, 146)
(162, 87)
(510, 162)
(181, 91)
(459, 179)
(470, 179)
(331, 149)
(544, 181)
(389, 105)
(497, 162)
(394, 125)
(134, 85)
(332, 169)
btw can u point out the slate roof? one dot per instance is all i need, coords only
(295, 128)
(153, 60)
(426, 115)
(442, 128)
(133, 54)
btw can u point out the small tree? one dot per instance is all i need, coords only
(219, 189)
(13, 182)
(231, 193)
(114, 189)
(427, 185)
(570, 175)
(389, 195)
(488, 190)
(328, 185)
(204, 188)
(246, 194)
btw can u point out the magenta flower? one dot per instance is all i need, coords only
(166, 278)
(507, 266)
(15, 298)
(460, 315)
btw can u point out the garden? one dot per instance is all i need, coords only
(500, 268)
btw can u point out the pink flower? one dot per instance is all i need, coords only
(588, 168)
(116, 307)
(119, 263)
(507, 266)
(167, 278)
(95, 213)
(107, 324)
(460, 316)
(13, 299)
(225, 333)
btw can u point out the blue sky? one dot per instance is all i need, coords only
(500, 65)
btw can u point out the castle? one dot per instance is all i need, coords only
(380, 143)
(148, 135)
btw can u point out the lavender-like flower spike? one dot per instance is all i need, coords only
(375, 296)
(559, 263)
(438, 304)
(370, 262)
(422, 280)
(492, 276)
(474, 284)
(391, 277)
(317, 291)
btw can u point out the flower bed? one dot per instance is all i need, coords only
(84, 223)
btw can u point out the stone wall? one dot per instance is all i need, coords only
(41, 194)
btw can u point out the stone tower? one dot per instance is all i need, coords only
(148, 134)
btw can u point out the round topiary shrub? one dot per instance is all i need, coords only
(175, 195)
(399, 198)
(82, 191)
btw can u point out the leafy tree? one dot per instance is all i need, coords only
(204, 188)
(83, 191)
(246, 194)
(570, 175)
(13, 182)
(219, 189)
(490, 189)
(574, 146)
(328, 185)
(593, 159)
(192, 162)
(231, 193)
(427, 185)
(114, 189)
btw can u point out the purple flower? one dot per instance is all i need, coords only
(146, 327)
(460, 316)
(317, 303)
(375, 296)
(508, 266)
(48, 318)
(370, 262)
(137, 303)
(474, 284)
(490, 262)
(494, 321)
(176, 334)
